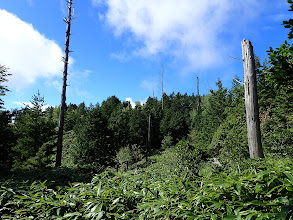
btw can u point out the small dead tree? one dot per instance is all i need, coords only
(251, 101)
(63, 95)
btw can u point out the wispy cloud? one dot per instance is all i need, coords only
(30, 2)
(195, 31)
(122, 57)
(63, 7)
(280, 17)
(149, 85)
(57, 84)
(28, 54)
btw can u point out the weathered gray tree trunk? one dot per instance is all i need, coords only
(198, 96)
(251, 101)
(162, 87)
(63, 95)
(148, 148)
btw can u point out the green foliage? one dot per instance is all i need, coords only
(3, 78)
(280, 71)
(109, 106)
(127, 156)
(207, 175)
(123, 156)
(276, 115)
(118, 124)
(229, 142)
(176, 116)
(175, 124)
(281, 63)
(93, 144)
(191, 156)
(212, 123)
(230, 139)
(69, 151)
(7, 140)
(167, 141)
(289, 23)
(138, 127)
(264, 190)
(45, 156)
(33, 129)
(72, 114)
(136, 152)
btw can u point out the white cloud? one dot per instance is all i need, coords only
(131, 102)
(97, 2)
(28, 54)
(23, 104)
(193, 30)
(122, 57)
(57, 84)
(63, 7)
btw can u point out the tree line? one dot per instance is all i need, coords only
(94, 134)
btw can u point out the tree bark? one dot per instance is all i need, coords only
(162, 87)
(251, 101)
(63, 95)
(198, 96)
(148, 148)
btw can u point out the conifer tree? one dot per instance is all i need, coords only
(33, 129)
(3, 78)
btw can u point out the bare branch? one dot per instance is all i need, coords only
(238, 81)
(235, 58)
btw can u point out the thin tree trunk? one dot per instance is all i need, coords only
(198, 97)
(63, 96)
(251, 101)
(162, 86)
(149, 139)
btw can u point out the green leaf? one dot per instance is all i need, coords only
(289, 176)
(263, 173)
(254, 202)
(72, 214)
(283, 200)
(96, 208)
(32, 185)
(115, 201)
(258, 187)
(276, 187)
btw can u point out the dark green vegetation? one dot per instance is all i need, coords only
(199, 165)
(255, 189)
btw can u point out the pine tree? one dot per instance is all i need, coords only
(33, 129)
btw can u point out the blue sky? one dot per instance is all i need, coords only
(120, 45)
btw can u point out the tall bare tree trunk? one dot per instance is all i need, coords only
(198, 97)
(148, 148)
(162, 86)
(251, 101)
(63, 96)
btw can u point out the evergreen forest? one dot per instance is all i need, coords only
(185, 159)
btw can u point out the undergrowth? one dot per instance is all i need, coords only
(254, 189)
